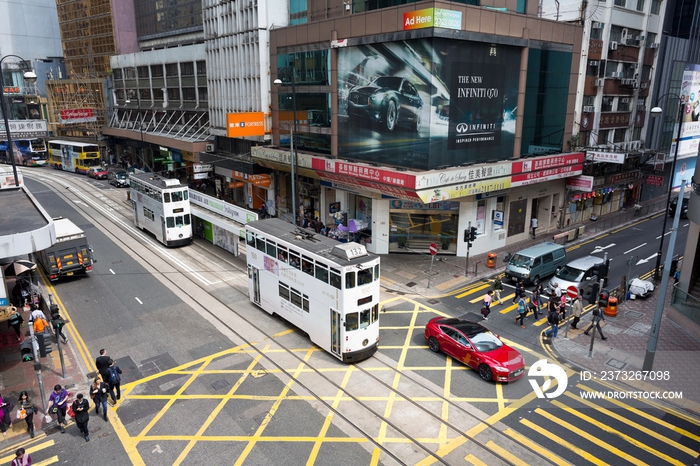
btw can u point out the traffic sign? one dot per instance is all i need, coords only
(572, 291)
(433, 249)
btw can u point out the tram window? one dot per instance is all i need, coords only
(186, 194)
(335, 278)
(307, 265)
(296, 298)
(364, 277)
(305, 303)
(349, 280)
(294, 260)
(351, 321)
(284, 291)
(322, 273)
(282, 255)
(364, 318)
(260, 243)
(271, 249)
(179, 221)
(187, 219)
(250, 238)
(176, 196)
(375, 313)
(376, 272)
(170, 222)
(166, 197)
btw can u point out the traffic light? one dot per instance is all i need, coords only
(44, 341)
(472, 233)
(25, 350)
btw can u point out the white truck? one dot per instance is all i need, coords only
(70, 255)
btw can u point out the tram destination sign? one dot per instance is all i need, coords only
(22, 129)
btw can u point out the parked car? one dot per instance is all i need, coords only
(475, 346)
(534, 263)
(118, 177)
(389, 100)
(579, 273)
(99, 173)
(674, 203)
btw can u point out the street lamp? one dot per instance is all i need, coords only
(30, 77)
(655, 112)
(292, 152)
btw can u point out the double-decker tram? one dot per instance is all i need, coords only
(162, 207)
(329, 290)
(73, 156)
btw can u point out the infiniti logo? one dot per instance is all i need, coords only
(462, 127)
(466, 127)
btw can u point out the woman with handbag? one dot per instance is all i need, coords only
(99, 393)
(4, 421)
(81, 413)
(58, 403)
(24, 403)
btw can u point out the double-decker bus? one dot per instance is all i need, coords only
(162, 207)
(73, 156)
(329, 290)
(33, 152)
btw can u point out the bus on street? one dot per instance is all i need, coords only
(73, 156)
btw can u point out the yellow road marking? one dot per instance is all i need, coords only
(474, 460)
(535, 447)
(564, 443)
(472, 291)
(52, 460)
(491, 445)
(35, 448)
(633, 424)
(625, 437)
(591, 438)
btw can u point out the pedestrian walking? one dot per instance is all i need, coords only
(497, 287)
(25, 403)
(5, 418)
(533, 224)
(518, 290)
(677, 276)
(36, 314)
(58, 403)
(114, 380)
(102, 364)
(597, 317)
(486, 310)
(522, 310)
(576, 310)
(58, 324)
(22, 458)
(15, 322)
(557, 291)
(81, 410)
(263, 210)
(98, 393)
(562, 306)
(553, 319)
(536, 300)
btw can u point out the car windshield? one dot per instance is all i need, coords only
(570, 274)
(519, 260)
(392, 82)
(486, 341)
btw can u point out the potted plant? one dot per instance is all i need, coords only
(445, 240)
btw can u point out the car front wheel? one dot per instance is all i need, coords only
(485, 372)
(434, 345)
(390, 116)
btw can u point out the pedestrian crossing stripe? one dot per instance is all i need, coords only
(473, 460)
(535, 447)
(591, 438)
(28, 449)
(503, 453)
(633, 424)
(564, 443)
(472, 291)
(46, 462)
(605, 427)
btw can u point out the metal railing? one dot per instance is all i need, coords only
(609, 222)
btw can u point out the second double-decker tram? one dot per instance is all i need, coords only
(329, 290)
(162, 206)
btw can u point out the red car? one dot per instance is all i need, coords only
(476, 346)
(99, 173)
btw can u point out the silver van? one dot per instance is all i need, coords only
(578, 273)
(532, 264)
(118, 177)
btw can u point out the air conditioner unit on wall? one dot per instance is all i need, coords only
(588, 108)
(209, 148)
(613, 45)
(654, 45)
(600, 82)
(616, 74)
(644, 85)
(593, 63)
(625, 100)
(597, 25)
(634, 66)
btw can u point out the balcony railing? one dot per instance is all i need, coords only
(686, 304)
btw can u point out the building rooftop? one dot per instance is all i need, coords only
(25, 226)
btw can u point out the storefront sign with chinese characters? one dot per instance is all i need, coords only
(609, 157)
(580, 183)
(622, 177)
(654, 180)
(545, 175)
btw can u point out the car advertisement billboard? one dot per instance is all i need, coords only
(427, 103)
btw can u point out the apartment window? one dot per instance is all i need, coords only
(203, 94)
(616, 33)
(603, 136)
(171, 70)
(188, 94)
(201, 68)
(651, 38)
(129, 73)
(588, 100)
(655, 7)
(623, 105)
(158, 94)
(187, 68)
(641, 103)
(620, 3)
(607, 105)
(619, 135)
(173, 93)
(117, 73)
(142, 72)
(157, 71)
(521, 7)
(610, 68)
(640, 5)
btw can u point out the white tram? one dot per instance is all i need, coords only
(161, 206)
(329, 290)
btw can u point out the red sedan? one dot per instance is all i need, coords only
(476, 346)
(99, 173)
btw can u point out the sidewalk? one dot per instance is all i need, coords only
(16, 375)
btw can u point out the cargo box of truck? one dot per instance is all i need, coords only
(70, 255)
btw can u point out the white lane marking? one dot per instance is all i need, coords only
(644, 261)
(643, 244)
(112, 271)
(602, 248)
(137, 299)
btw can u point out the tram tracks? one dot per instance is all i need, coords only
(415, 401)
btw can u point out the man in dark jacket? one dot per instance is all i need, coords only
(102, 363)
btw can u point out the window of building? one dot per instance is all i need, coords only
(203, 94)
(655, 7)
(173, 93)
(187, 68)
(189, 94)
(297, 12)
(620, 135)
(117, 73)
(637, 133)
(607, 105)
(171, 70)
(623, 104)
(603, 137)
(640, 5)
(142, 72)
(521, 7)
(158, 94)
(621, 3)
(641, 103)
(597, 34)
(611, 67)
(588, 100)
(157, 71)
(129, 73)
(201, 68)
(616, 32)
(309, 68)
